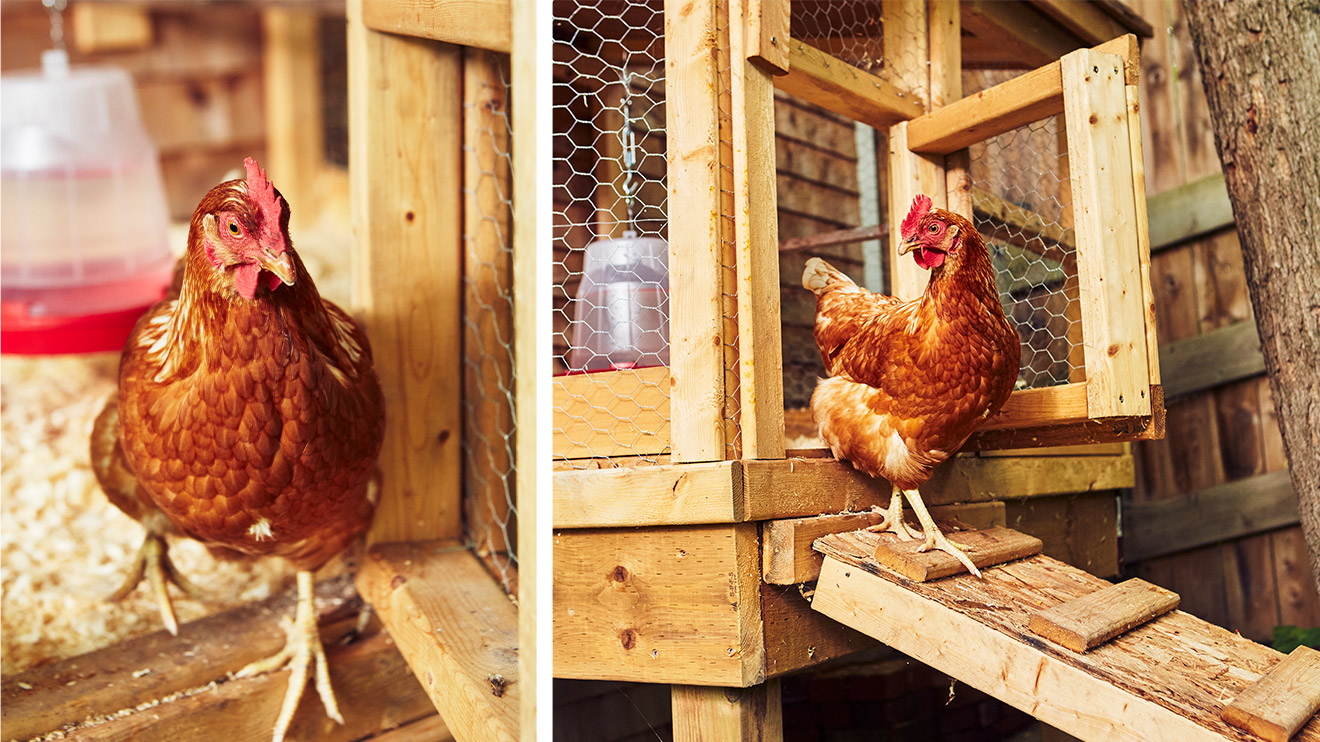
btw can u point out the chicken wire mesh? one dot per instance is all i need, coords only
(1021, 203)
(488, 358)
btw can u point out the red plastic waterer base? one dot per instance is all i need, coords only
(23, 334)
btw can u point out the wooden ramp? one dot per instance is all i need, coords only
(1167, 680)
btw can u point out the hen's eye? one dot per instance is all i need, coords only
(233, 228)
(934, 228)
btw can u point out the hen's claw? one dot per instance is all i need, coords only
(153, 562)
(302, 649)
(935, 539)
(894, 522)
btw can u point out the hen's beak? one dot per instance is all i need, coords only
(281, 265)
(908, 246)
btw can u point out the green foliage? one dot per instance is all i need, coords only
(1288, 638)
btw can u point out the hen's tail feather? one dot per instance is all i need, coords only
(819, 277)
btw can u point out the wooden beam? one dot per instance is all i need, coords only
(696, 325)
(910, 174)
(833, 239)
(111, 27)
(1102, 694)
(484, 24)
(671, 605)
(1108, 246)
(649, 495)
(1220, 513)
(612, 413)
(291, 75)
(407, 180)
(162, 687)
(1220, 356)
(1279, 704)
(756, 229)
(831, 83)
(735, 714)
(1189, 211)
(1088, 21)
(767, 24)
(1133, 96)
(457, 629)
(787, 557)
(1091, 620)
(1018, 34)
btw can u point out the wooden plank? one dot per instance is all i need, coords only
(1102, 694)
(1013, 35)
(111, 27)
(1277, 705)
(787, 557)
(1206, 516)
(484, 24)
(291, 73)
(1189, 211)
(670, 605)
(1087, 622)
(797, 637)
(1214, 358)
(986, 548)
(488, 328)
(756, 229)
(767, 24)
(457, 629)
(1108, 260)
(832, 239)
(832, 83)
(407, 180)
(910, 174)
(612, 413)
(1041, 406)
(695, 262)
(1088, 21)
(1078, 432)
(704, 714)
(651, 495)
(1133, 95)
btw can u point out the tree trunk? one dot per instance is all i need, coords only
(1260, 62)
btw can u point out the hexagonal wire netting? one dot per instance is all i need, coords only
(490, 507)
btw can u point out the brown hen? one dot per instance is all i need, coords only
(909, 381)
(249, 415)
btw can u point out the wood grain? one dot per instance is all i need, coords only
(651, 495)
(1277, 705)
(833, 84)
(734, 714)
(456, 628)
(1086, 622)
(1212, 358)
(484, 24)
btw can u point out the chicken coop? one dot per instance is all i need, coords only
(700, 156)
(441, 241)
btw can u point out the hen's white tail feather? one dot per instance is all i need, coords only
(819, 277)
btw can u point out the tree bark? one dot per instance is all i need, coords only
(1260, 63)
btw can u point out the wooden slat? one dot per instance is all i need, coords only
(1220, 513)
(1108, 261)
(111, 27)
(767, 25)
(1077, 432)
(787, 557)
(651, 495)
(756, 230)
(1088, 21)
(671, 605)
(1041, 406)
(407, 178)
(291, 75)
(1089, 621)
(481, 23)
(695, 262)
(797, 637)
(1102, 694)
(831, 83)
(910, 174)
(487, 302)
(611, 413)
(986, 548)
(1277, 705)
(734, 714)
(457, 629)
(1211, 359)
(833, 239)
(1133, 95)
(1189, 211)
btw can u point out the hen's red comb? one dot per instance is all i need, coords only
(269, 206)
(920, 205)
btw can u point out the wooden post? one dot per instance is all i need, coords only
(703, 714)
(488, 333)
(1108, 262)
(406, 123)
(292, 74)
(946, 88)
(696, 327)
(756, 216)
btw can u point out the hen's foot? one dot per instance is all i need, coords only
(893, 522)
(935, 539)
(153, 562)
(301, 652)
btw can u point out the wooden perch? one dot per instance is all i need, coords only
(985, 548)
(1277, 705)
(1104, 614)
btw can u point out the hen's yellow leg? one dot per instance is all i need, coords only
(934, 538)
(153, 562)
(893, 521)
(302, 650)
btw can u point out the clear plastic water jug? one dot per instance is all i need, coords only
(83, 218)
(622, 309)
